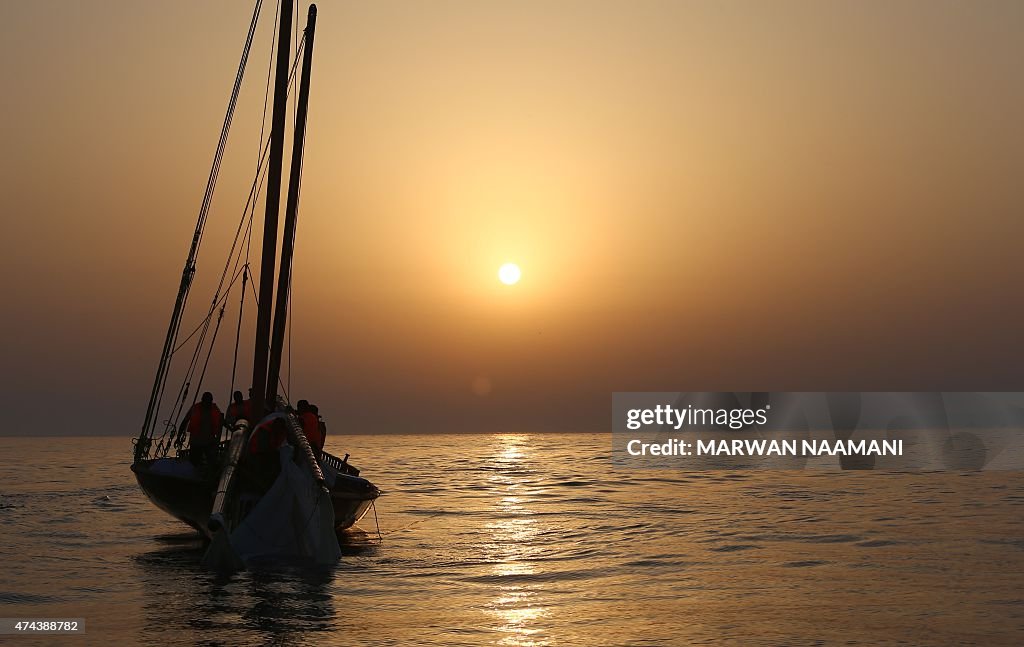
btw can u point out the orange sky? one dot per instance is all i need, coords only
(702, 196)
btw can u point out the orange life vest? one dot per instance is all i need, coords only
(311, 427)
(204, 424)
(239, 410)
(267, 437)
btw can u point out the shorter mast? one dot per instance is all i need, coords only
(291, 213)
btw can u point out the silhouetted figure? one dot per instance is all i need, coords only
(262, 461)
(247, 406)
(203, 424)
(321, 425)
(239, 410)
(310, 425)
(267, 437)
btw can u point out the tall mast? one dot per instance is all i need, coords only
(259, 365)
(291, 212)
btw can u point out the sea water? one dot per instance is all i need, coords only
(529, 539)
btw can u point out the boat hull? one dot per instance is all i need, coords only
(177, 488)
(188, 499)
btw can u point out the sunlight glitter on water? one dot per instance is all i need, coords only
(515, 606)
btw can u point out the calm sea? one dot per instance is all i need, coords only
(530, 540)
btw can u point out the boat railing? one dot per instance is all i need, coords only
(340, 464)
(222, 448)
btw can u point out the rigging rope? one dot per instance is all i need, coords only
(238, 333)
(250, 208)
(266, 90)
(160, 381)
(230, 267)
(183, 392)
(203, 327)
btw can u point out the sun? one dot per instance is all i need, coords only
(509, 273)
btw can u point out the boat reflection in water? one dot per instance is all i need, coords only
(291, 603)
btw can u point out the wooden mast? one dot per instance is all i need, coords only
(266, 293)
(291, 212)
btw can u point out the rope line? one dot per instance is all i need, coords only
(410, 525)
(163, 368)
(202, 329)
(250, 207)
(373, 504)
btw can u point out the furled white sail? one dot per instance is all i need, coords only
(292, 522)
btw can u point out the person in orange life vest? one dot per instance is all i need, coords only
(203, 424)
(321, 425)
(247, 407)
(310, 426)
(268, 436)
(262, 464)
(238, 410)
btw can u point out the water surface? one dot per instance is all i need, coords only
(531, 539)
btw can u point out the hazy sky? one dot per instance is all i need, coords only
(701, 195)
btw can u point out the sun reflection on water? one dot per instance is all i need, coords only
(514, 542)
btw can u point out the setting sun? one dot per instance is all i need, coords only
(509, 273)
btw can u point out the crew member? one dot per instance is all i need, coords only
(203, 424)
(268, 436)
(310, 425)
(262, 465)
(239, 410)
(321, 425)
(247, 406)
